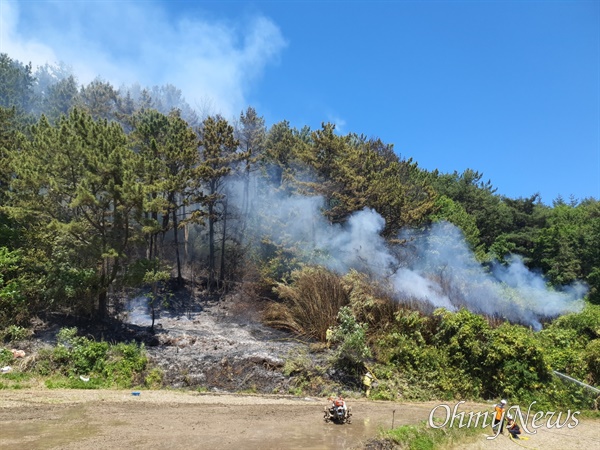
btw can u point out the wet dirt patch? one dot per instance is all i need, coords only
(40, 430)
(105, 419)
(76, 420)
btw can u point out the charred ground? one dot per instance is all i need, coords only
(199, 341)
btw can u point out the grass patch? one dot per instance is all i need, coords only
(63, 382)
(15, 380)
(78, 362)
(252, 390)
(423, 437)
(590, 413)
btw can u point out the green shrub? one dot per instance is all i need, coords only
(88, 357)
(6, 357)
(350, 336)
(125, 364)
(14, 307)
(586, 323)
(592, 358)
(466, 337)
(564, 350)
(154, 379)
(515, 364)
(102, 365)
(15, 333)
(79, 355)
(442, 355)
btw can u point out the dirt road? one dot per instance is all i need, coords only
(71, 419)
(101, 419)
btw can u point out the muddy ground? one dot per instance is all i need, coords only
(175, 420)
(101, 419)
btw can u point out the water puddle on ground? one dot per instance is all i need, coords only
(320, 436)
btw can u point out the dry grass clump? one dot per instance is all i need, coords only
(310, 303)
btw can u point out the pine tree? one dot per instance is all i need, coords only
(75, 181)
(219, 155)
(168, 151)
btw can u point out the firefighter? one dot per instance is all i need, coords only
(328, 336)
(367, 381)
(513, 428)
(499, 409)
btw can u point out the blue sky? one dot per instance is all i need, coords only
(508, 88)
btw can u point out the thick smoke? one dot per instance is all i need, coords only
(511, 291)
(435, 267)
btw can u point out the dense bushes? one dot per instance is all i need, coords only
(350, 337)
(476, 360)
(447, 355)
(14, 308)
(80, 362)
(592, 358)
(572, 344)
(463, 356)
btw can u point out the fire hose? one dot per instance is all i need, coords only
(573, 380)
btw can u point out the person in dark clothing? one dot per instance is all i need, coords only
(513, 428)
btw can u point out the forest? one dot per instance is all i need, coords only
(432, 279)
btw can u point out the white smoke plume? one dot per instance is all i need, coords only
(435, 267)
(510, 291)
(138, 310)
(215, 62)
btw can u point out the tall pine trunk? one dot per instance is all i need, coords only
(176, 243)
(102, 305)
(211, 248)
(222, 270)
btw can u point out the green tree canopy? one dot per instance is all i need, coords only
(168, 153)
(219, 155)
(16, 85)
(75, 181)
(478, 198)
